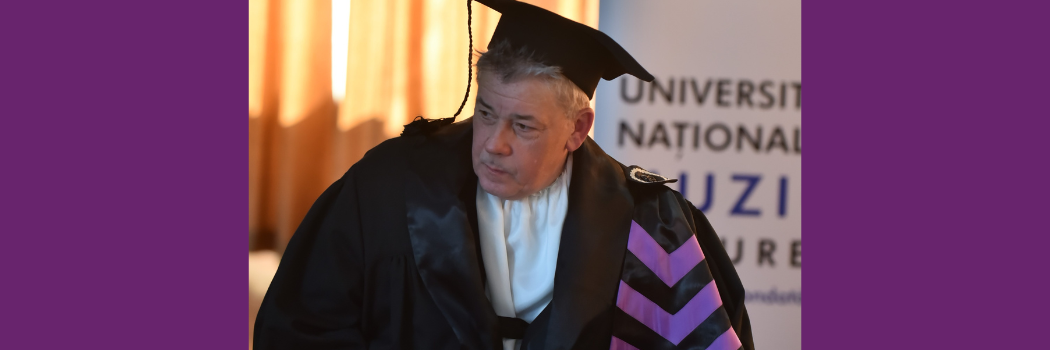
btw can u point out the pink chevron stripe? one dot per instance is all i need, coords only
(669, 267)
(675, 327)
(726, 341)
(619, 344)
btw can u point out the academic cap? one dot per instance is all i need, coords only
(583, 53)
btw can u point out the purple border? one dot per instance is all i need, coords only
(124, 166)
(123, 171)
(926, 174)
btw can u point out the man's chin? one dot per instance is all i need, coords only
(496, 189)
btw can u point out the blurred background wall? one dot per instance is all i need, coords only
(329, 79)
(724, 117)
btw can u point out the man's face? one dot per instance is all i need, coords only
(521, 137)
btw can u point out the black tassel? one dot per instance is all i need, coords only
(425, 126)
(470, 68)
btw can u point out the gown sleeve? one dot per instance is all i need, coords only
(726, 278)
(314, 301)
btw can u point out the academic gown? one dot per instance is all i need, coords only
(388, 258)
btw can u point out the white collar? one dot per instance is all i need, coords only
(519, 247)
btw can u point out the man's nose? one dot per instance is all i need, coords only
(499, 143)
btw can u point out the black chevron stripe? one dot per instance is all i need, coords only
(640, 336)
(709, 330)
(671, 299)
(667, 226)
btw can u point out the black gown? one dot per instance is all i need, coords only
(388, 257)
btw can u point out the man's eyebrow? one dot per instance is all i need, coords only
(482, 102)
(515, 116)
(523, 117)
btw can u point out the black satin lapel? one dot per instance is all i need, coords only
(443, 241)
(593, 244)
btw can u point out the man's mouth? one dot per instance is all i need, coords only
(494, 170)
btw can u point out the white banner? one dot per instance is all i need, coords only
(724, 116)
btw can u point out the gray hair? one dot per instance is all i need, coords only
(511, 65)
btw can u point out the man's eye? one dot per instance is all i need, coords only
(522, 127)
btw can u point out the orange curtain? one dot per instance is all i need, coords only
(290, 114)
(405, 58)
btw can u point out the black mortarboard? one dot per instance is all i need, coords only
(584, 54)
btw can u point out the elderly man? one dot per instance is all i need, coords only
(511, 229)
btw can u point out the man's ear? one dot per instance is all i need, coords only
(583, 120)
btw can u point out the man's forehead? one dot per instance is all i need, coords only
(482, 103)
(527, 94)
